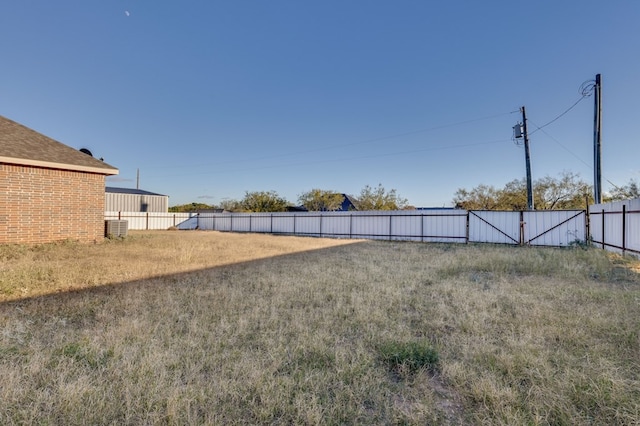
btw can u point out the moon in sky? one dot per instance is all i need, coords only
(126, 12)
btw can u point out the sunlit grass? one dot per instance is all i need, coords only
(312, 333)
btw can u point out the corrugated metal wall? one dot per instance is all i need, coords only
(117, 202)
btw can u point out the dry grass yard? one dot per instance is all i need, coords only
(190, 328)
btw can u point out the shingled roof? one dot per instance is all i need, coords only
(23, 146)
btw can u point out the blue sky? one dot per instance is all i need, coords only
(209, 99)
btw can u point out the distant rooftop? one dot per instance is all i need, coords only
(131, 191)
(436, 208)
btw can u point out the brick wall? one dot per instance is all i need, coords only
(40, 205)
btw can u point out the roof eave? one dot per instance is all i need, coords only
(108, 170)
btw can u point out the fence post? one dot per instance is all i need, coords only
(521, 227)
(624, 228)
(119, 215)
(467, 236)
(422, 227)
(350, 226)
(587, 225)
(147, 221)
(320, 225)
(602, 229)
(390, 222)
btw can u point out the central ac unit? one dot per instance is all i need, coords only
(115, 228)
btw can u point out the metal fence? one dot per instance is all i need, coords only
(427, 226)
(543, 228)
(536, 228)
(613, 226)
(149, 220)
(616, 226)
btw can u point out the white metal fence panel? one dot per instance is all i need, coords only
(283, 224)
(606, 225)
(336, 226)
(554, 227)
(241, 223)
(188, 224)
(616, 226)
(633, 226)
(408, 228)
(371, 226)
(308, 224)
(214, 222)
(449, 227)
(613, 230)
(260, 222)
(494, 227)
(148, 220)
(138, 221)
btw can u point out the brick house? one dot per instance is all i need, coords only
(48, 190)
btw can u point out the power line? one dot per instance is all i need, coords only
(334, 146)
(570, 152)
(586, 89)
(559, 143)
(332, 160)
(561, 115)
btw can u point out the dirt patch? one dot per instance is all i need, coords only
(447, 401)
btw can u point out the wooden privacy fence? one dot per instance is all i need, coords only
(616, 226)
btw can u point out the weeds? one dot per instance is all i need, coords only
(408, 356)
(210, 328)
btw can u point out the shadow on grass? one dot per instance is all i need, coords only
(177, 280)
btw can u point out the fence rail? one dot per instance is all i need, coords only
(616, 226)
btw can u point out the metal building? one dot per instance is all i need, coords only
(134, 200)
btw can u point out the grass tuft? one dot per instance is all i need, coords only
(408, 356)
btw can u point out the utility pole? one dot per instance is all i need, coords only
(597, 141)
(527, 157)
(138, 179)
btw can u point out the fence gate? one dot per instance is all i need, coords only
(554, 227)
(540, 227)
(494, 227)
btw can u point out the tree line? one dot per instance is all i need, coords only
(568, 191)
(370, 198)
